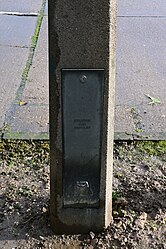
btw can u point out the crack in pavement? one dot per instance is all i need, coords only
(13, 46)
(136, 16)
(18, 13)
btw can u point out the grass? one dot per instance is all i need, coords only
(154, 148)
(34, 153)
(115, 195)
(39, 150)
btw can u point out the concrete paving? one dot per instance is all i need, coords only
(36, 89)
(15, 41)
(30, 121)
(21, 6)
(16, 31)
(141, 64)
(142, 8)
(12, 64)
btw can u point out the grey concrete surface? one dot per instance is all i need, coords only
(141, 7)
(141, 64)
(31, 120)
(16, 30)
(124, 123)
(15, 41)
(152, 120)
(23, 6)
(12, 63)
(28, 122)
(36, 89)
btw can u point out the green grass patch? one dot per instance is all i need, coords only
(33, 153)
(115, 195)
(154, 148)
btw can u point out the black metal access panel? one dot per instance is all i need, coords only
(82, 104)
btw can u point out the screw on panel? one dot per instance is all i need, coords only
(83, 78)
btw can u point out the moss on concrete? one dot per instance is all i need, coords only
(31, 53)
(26, 135)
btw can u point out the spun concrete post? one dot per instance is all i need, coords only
(81, 36)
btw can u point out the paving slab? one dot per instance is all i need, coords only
(37, 87)
(28, 122)
(141, 64)
(124, 123)
(17, 30)
(152, 122)
(15, 40)
(31, 120)
(142, 8)
(13, 61)
(23, 6)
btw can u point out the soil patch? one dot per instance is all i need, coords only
(139, 199)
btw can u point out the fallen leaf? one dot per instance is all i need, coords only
(153, 100)
(21, 103)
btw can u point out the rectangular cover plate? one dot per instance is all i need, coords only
(82, 103)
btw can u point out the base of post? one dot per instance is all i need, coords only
(79, 224)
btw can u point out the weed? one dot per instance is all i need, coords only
(152, 148)
(115, 195)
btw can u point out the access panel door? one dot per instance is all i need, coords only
(82, 104)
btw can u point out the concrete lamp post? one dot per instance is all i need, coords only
(82, 82)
